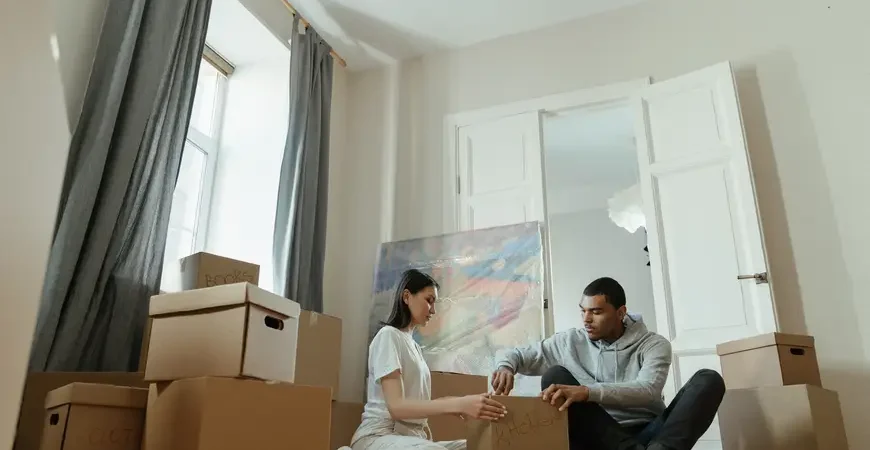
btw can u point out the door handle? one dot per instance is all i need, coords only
(760, 278)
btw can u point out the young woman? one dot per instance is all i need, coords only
(399, 382)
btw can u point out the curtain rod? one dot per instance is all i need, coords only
(306, 24)
(217, 60)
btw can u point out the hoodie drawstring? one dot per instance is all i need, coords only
(598, 373)
(614, 348)
(616, 365)
(598, 365)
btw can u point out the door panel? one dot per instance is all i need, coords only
(500, 174)
(696, 202)
(687, 365)
(702, 220)
(693, 112)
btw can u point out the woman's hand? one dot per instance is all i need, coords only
(480, 406)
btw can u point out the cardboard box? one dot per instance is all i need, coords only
(203, 270)
(146, 338)
(445, 384)
(82, 416)
(30, 420)
(346, 418)
(318, 352)
(143, 352)
(531, 424)
(235, 330)
(230, 414)
(774, 359)
(801, 417)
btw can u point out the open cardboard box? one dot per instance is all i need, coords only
(531, 424)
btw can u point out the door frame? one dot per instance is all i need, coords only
(610, 93)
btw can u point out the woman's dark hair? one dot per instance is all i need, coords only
(414, 281)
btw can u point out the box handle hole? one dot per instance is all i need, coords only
(54, 419)
(274, 323)
(797, 351)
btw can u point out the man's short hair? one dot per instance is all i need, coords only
(609, 288)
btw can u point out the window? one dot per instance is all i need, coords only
(188, 220)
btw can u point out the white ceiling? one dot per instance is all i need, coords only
(372, 32)
(589, 155)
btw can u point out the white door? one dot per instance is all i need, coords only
(501, 183)
(702, 221)
(499, 172)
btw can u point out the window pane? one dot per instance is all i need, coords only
(181, 237)
(204, 99)
(179, 243)
(188, 188)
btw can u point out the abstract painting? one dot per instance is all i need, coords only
(491, 296)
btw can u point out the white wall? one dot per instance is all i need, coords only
(34, 139)
(586, 245)
(78, 25)
(336, 216)
(357, 198)
(802, 76)
(251, 150)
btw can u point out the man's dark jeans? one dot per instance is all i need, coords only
(678, 428)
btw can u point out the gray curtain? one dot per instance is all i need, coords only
(124, 158)
(299, 241)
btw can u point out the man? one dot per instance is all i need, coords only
(609, 376)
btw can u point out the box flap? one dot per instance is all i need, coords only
(273, 302)
(313, 317)
(98, 395)
(220, 296)
(190, 259)
(765, 340)
(212, 255)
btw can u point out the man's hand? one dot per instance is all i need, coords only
(557, 393)
(502, 381)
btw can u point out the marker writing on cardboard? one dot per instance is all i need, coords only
(235, 276)
(524, 424)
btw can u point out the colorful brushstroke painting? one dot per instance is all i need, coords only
(491, 296)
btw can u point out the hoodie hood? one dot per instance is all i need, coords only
(635, 331)
(607, 367)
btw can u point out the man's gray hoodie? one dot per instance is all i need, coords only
(625, 377)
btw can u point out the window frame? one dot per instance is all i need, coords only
(210, 146)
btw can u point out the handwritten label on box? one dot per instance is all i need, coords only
(531, 424)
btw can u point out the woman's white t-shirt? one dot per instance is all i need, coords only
(393, 349)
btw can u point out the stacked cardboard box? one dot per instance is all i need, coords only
(229, 365)
(82, 416)
(775, 399)
(36, 389)
(531, 424)
(346, 417)
(202, 270)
